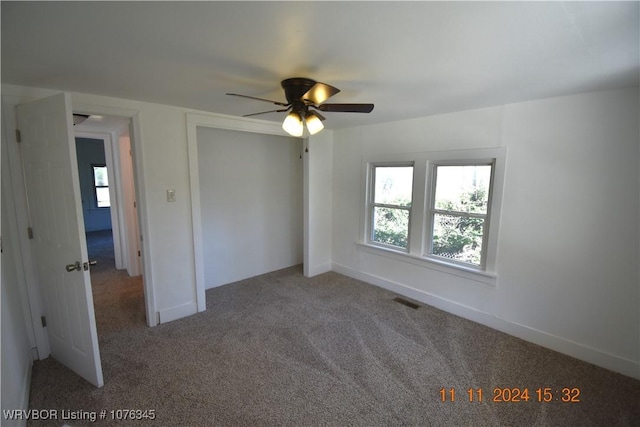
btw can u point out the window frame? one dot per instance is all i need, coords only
(372, 205)
(420, 223)
(95, 187)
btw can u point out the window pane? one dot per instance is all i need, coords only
(102, 194)
(458, 237)
(463, 188)
(100, 176)
(393, 185)
(391, 226)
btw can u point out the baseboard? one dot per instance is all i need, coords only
(579, 351)
(23, 397)
(314, 270)
(178, 312)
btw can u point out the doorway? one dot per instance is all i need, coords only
(118, 298)
(103, 148)
(61, 307)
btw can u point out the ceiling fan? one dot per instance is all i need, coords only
(305, 97)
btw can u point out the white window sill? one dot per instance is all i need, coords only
(431, 263)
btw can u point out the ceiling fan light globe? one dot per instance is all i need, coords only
(314, 124)
(293, 124)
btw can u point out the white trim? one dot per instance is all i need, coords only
(317, 269)
(143, 224)
(431, 263)
(307, 270)
(419, 239)
(128, 235)
(177, 312)
(196, 218)
(138, 175)
(242, 124)
(553, 342)
(218, 121)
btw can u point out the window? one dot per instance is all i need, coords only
(439, 210)
(101, 186)
(392, 187)
(459, 211)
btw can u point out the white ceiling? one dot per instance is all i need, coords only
(409, 58)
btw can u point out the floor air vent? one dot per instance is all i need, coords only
(405, 302)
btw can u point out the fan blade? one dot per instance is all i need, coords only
(320, 116)
(346, 108)
(265, 112)
(319, 93)
(259, 99)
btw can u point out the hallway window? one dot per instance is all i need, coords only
(101, 185)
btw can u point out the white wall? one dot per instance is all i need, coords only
(571, 284)
(568, 247)
(251, 203)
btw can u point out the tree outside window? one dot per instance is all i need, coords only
(447, 218)
(391, 204)
(459, 212)
(101, 185)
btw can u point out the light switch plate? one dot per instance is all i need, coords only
(171, 195)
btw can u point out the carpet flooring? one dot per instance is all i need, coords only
(284, 350)
(118, 299)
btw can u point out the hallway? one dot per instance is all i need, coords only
(117, 298)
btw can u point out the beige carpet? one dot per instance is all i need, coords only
(281, 349)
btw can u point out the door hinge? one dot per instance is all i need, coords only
(134, 204)
(44, 321)
(30, 233)
(138, 253)
(18, 136)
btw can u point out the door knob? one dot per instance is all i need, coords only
(73, 267)
(87, 264)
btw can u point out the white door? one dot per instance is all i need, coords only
(59, 243)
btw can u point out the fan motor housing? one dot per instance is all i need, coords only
(295, 87)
